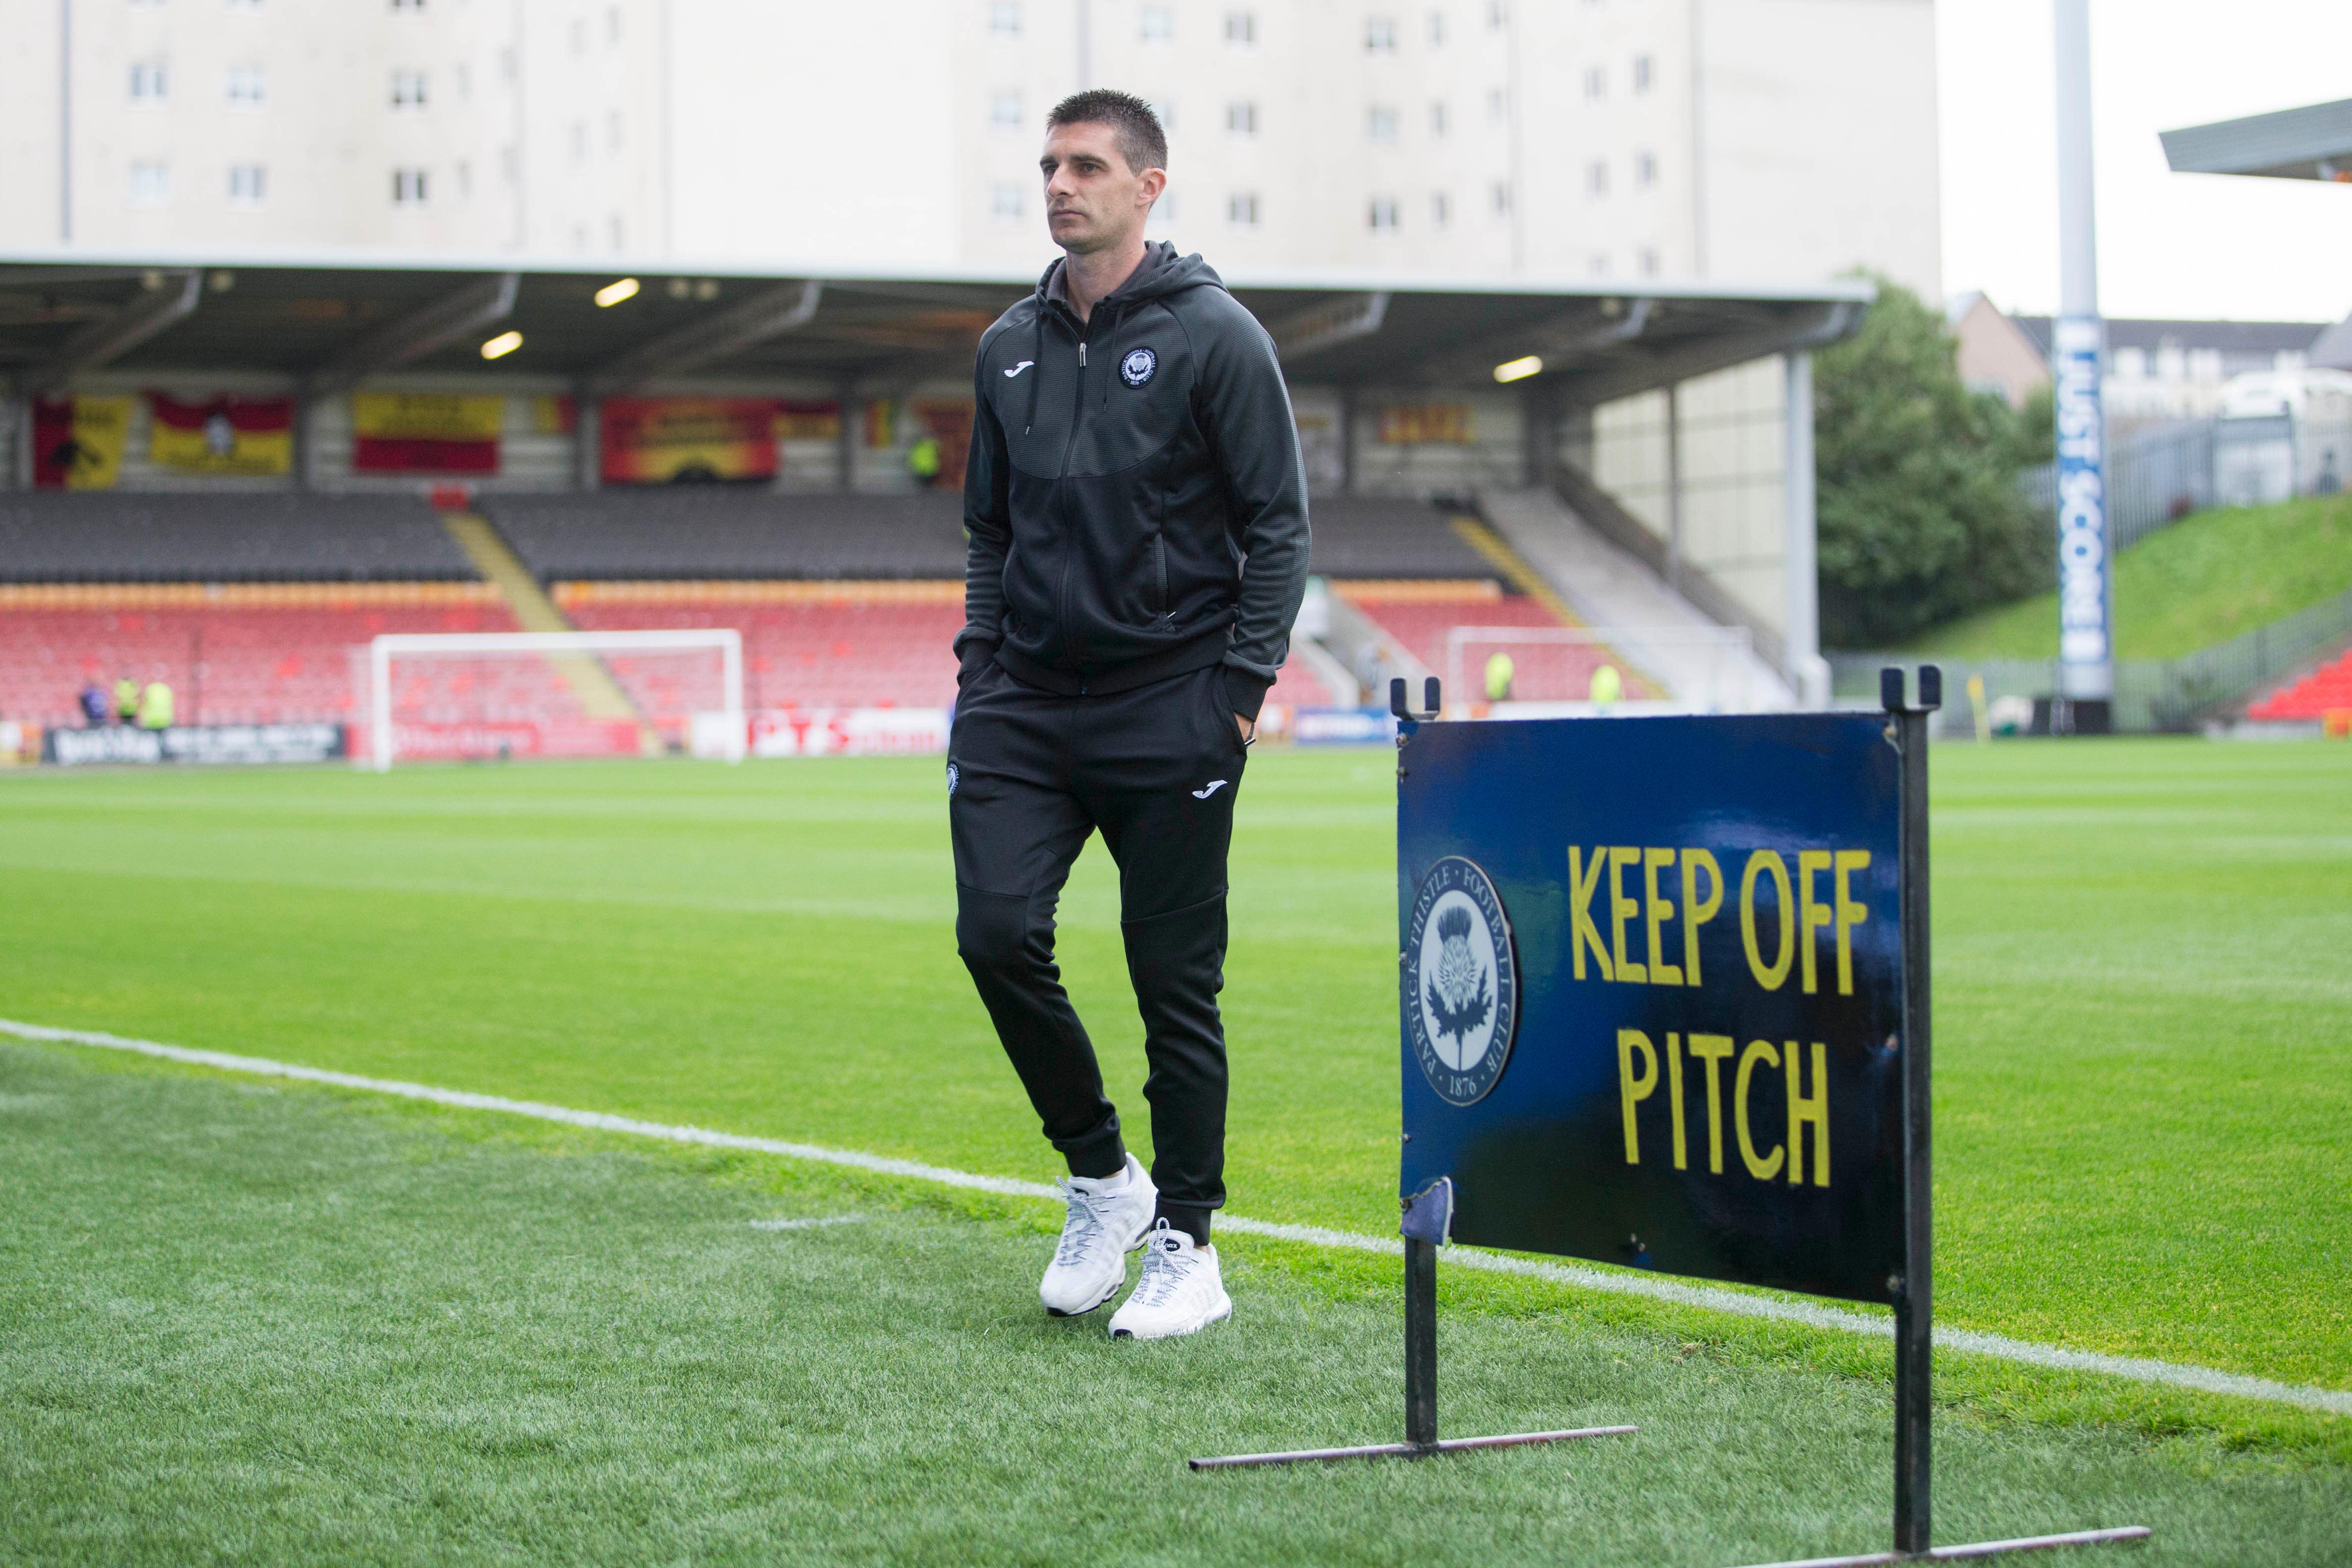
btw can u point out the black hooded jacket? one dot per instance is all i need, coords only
(1134, 498)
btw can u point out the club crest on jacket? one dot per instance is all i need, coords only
(1138, 366)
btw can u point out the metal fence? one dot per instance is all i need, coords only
(2159, 475)
(2152, 695)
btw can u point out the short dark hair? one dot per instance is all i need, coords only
(1140, 140)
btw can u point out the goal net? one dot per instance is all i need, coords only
(469, 695)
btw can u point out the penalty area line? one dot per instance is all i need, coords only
(2202, 1379)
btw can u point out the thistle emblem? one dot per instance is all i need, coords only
(1460, 996)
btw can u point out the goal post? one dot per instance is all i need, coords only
(589, 674)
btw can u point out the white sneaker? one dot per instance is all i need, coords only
(1178, 1293)
(1101, 1230)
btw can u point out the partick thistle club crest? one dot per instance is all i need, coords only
(1461, 981)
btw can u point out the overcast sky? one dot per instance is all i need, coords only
(2186, 245)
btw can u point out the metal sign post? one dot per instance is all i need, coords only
(1426, 1226)
(1914, 1289)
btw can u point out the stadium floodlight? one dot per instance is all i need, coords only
(614, 292)
(480, 712)
(1519, 370)
(500, 346)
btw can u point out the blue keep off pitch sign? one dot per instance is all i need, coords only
(1651, 992)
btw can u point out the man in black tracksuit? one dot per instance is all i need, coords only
(1137, 516)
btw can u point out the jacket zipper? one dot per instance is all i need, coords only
(1069, 527)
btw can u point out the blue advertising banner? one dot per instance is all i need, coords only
(2083, 599)
(1651, 989)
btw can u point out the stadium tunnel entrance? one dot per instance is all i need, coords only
(645, 442)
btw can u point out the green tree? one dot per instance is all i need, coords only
(1920, 518)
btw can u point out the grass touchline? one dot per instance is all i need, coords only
(2001, 1347)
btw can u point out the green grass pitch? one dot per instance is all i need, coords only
(285, 1323)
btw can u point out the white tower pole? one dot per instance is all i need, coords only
(2086, 591)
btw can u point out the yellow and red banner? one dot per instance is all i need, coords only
(1425, 425)
(673, 440)
(426, 433)
(806, 419)
(247, 436)
(78, 441)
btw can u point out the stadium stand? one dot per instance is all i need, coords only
(806, 645)
(2321, 695)
(1419, 614)
(706, 532)
(165, 537)
(1364, 536)
(829, 644)
(233, 654)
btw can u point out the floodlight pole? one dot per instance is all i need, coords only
(2077, 361)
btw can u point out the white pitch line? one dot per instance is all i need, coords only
(806, 1223)
(2203, 1379)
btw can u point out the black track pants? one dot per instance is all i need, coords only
(1030, 775)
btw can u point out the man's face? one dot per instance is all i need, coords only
(1093, 199)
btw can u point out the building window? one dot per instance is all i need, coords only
(408, 5)
(249, 185)
(1646, 169)
(1596, 179)
(1004, 19)
(1007, 204)
(151, 184)
(1381, 214)
(613, 35)
(1441, 209)
(1641, 73)
(464, 76)
(249, 87)
(1380, 35)
(1498, 107)
(1004, 111)
(408, 90)
(465, 171)
(1596, 83)
(580, 47)
(1500, 196)
(1163, 211)
(408, 187)
(1437, 118)
(616, 232)
(580, 142)
(1241, 119)
(613, 131)
(148, 81)
(1498, 15)
(1599, 267)
(1165, 111)
(1241, 209)
(1157, 24)
(511, 164)
(1240, 27)
(1648, 261)
(1437, 29)
(1380, 123)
